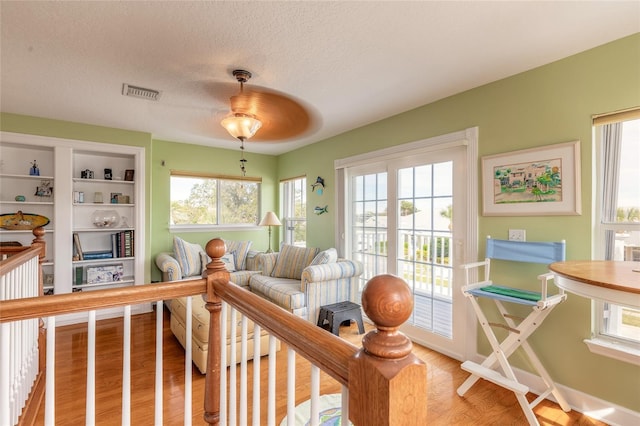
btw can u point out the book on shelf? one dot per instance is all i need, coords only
(100, 254)
(122, 243)
(79, 272)
(77, 246)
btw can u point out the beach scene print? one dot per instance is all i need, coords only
(536, 182)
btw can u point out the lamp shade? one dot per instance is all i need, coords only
(270, 219)
(241, 126)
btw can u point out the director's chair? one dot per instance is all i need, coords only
(541, 304)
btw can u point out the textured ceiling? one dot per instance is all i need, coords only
(350, 63)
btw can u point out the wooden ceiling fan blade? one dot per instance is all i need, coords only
(282, 117)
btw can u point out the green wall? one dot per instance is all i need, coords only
(547, 105)
(198, 158)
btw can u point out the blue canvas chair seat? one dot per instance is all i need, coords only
(496, 367)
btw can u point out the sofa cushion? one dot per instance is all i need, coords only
(292, 260)
(188, 256)
(200, 318)
(284, 292)
(229, 260)
(239, 250)
(325, 256)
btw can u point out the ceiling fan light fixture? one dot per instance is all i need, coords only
(241, 126)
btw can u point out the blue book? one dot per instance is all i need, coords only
(92, 255)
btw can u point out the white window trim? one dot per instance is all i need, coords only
(468, 137)
(205, 227)
(613, 348)
(215, 228)
(602, 344)
(286, 197)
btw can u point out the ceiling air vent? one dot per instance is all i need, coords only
(140, 92)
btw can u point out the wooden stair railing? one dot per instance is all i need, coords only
(15, 256)
(387, 383)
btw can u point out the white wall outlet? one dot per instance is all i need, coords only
(517, 235)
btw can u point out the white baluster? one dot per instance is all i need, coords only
(344, 419)
(315, 396)
(5, 342)
(223, 364)
(50, 389)
(233, 337)
(91, 369)
(243, 372)
(187, 360)
(291, 387)
(159, 377)
(126, 367)
(256, 374)
(271, 383)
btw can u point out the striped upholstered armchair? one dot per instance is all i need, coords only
(301, 279)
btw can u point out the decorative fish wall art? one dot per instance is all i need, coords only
(321, 210)
(318, 186)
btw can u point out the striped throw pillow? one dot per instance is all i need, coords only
(240, 250)
(325, 256)
(188, 256)
(292, 260)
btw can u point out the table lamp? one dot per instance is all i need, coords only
(270, 219)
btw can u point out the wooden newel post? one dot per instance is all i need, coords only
(215, 271)
(387, 383)
(39, 242)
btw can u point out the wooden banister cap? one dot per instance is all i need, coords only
(387, 301)
(215, 248)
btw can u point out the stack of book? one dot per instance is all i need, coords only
(122, 244)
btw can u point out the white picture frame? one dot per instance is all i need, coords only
(541, 181)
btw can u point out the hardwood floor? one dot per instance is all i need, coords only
(485, 404)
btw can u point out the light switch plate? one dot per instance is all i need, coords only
(517, 235)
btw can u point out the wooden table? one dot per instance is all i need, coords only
(612, 281)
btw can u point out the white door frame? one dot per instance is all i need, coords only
(464, 252)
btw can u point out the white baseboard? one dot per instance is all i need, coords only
(590, 405)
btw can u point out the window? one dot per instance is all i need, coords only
(617, 230)
(294, 211)
(207, 200)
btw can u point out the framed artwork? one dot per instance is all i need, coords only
(540, 181)
(128, 175)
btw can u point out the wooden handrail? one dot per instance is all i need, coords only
(325, 350)
(387, 383)
(36, 307)
(18, 256)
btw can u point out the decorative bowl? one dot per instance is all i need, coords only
(22, 221)
(105, 218)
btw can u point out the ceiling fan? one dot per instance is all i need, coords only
(276, 117)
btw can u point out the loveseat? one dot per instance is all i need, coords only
(302, 279)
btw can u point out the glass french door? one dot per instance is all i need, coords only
(408, 218)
